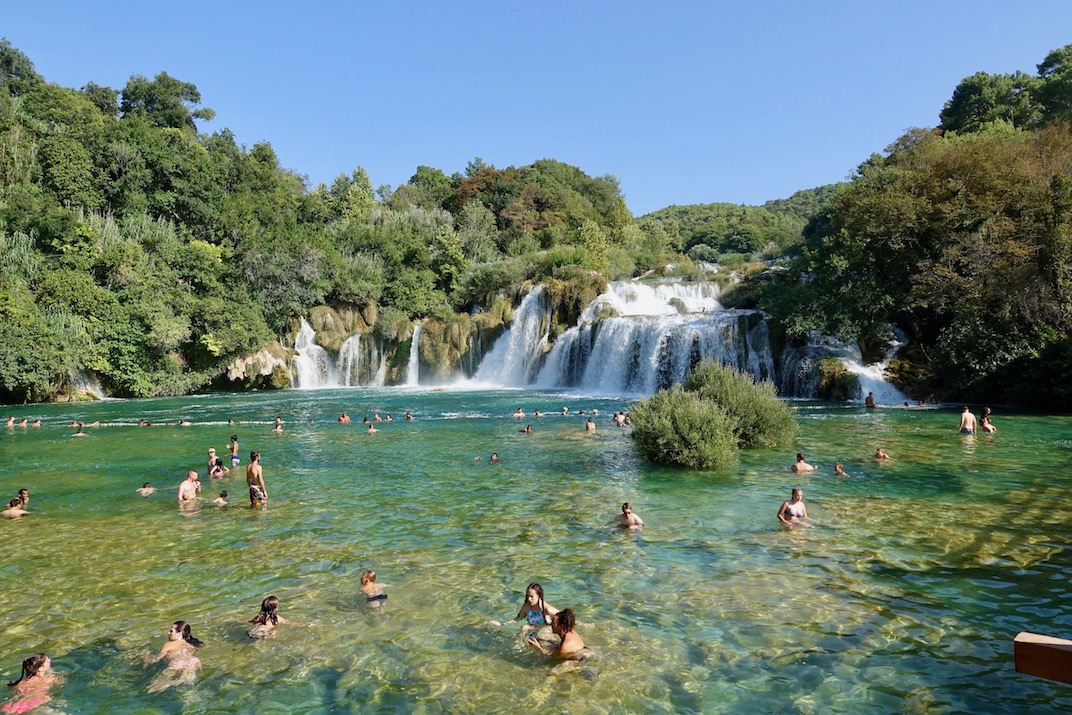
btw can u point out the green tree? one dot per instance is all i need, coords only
(164, 101)
(985, 98)
(1055, 91)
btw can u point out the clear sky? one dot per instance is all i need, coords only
(690, 101)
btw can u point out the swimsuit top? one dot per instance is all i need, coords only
(536, 618)
(796, 509)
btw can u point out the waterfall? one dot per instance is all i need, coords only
(515, 357)
(414, 367)
(87, 382)
(350, 361)
(311, 366)
(800, 368)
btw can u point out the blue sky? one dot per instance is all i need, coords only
(685, 102)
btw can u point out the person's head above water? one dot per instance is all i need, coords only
(31, 667)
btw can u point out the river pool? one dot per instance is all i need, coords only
(904, 598)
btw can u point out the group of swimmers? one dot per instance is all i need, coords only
(16, 508)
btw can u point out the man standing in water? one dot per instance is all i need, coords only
(967, 422)
(258, 493)
(188, 489)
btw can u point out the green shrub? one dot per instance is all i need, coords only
(678, 427)
(837, 382)
(760, 418)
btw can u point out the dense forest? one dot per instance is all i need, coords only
(143, 249)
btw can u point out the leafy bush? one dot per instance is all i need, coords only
(762, 419)
(678, 427)
(837, 382)
(702, 425)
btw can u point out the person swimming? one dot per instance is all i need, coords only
(571, 647)
(372, 591)
(264, 623)
(179, 651)
(793, 512)
(31, 689)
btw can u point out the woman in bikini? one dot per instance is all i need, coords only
(182, 663)
(792, 512)
(31, 689)
(264, 623)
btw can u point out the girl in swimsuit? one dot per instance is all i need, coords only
(264, 623)
(793, 511)
(182, 663)
(31, 689)
(535, 612)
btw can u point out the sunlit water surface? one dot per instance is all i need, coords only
(905, 598)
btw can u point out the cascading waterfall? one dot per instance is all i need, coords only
(312, 366)
(800, 368)
(515, 357)
(637, 338)
(413, 368)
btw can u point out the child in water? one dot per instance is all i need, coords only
(373, 592)
(535, 612)
(31, 689)
(264, 623)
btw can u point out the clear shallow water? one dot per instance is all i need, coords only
(905, 598)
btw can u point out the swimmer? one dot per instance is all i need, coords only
(31, 689)
(278, 429)
(538, 413)
(264, 623)
(519, 414)
(388, 418)
(11, 422)
(409, 416)
(211, 459)
(185, 423)
(344, 419)
(869, 401)
(218, 470)
(230, 422)
(233, 445)
(987, 425)
(535, 612)
(365, 421)
(791, 512)
(967, 422)
(839, 470)
(627, 519)
(590, 425)
(79, 432)
(24, 497)
(571, 646)
(371, 430)
(376, 417)
(258, 492)
(189, 489)
(221, 500)
(144, 423)
(146, 489)
(801, 465)
(372, 591)
(495, 457)
(880, 454)
(36, 423)
(526, 430)
(25, 422)
(14, 510)
(179, 651)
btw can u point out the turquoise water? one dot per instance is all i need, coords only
(904, 598)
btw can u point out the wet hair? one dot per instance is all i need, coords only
(254, 456)
(143, 486)
(30, 666)
(219, 462)
(539, 594)
(184, 630)
(800, 457)
(24, 490)
(224, 494)
(268, 614)
(15, 502)
(566, 620)
(625, 506)
(234, 438)
(797, 490)
(369, 574)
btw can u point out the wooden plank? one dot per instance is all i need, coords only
(1043, 656)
